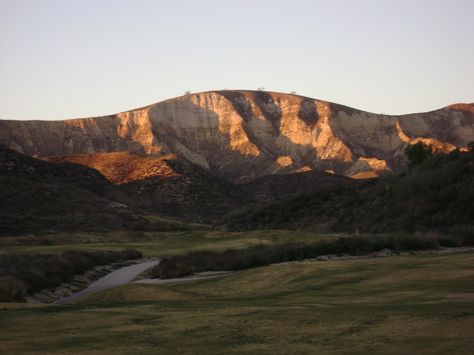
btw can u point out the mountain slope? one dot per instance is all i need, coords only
(40, 197)
(280, 186)
(123, 167)
(242, 135)
(437, 195)
(168, 185)
(65, 194)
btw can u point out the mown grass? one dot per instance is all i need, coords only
(261, 255)
(414, 304)
(153, 243)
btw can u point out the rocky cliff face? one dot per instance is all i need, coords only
(241, 135)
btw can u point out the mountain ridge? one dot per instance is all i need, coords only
(240, 135)
(456, 105)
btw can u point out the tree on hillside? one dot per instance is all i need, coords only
(470, 147)
(418, 152)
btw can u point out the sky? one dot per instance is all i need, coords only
(65, 58)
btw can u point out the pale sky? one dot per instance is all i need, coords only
(66, 58)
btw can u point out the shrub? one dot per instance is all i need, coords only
(26, 273)
(11, 289)
(470, 147)
(465, 232)
(418, 152)
(414, 242)
(182, 265)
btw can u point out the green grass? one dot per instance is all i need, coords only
(152, 243)
(398, 305)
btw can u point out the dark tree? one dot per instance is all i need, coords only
(470, 147)
(418, 152)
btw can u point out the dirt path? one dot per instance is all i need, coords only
(118, 277)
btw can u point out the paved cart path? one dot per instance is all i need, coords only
(118, 277)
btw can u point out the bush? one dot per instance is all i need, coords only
(470, 147)
(465, 232)
(414, 242)
(11, 289)
(26, 273)
(182, 265)
(418, 152)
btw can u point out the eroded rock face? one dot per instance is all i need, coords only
(241, 135)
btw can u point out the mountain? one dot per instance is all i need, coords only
(278, 186)
(172, 186)
(40, 196)
(44, 197)
(168, 185)
(435, 196)
(237, 159)
(242, 135)
(120, 190)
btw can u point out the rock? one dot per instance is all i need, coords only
(242, 135)
(114, 204)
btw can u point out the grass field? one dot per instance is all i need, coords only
(152, 243)
(398, 305)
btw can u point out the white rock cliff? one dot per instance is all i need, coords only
(240, 135)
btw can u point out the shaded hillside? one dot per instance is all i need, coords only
(172, 186)
(437, 195)
(39, 197)
(239, 135)
(168, 185)
(281, 185)
(187, 192)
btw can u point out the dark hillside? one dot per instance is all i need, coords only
(282, 185)
(437, 195)
(172, 186)
(168, 185)
(43, 197)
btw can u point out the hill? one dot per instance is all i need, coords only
(167, 184)
(172, 186)
(437, 195)
(45, 197)
(240, 135)
(120, 190)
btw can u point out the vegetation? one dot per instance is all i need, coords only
(433, 196)
(398, 305)
(22, 274)
(41, 197)
(470, 147)
(417, 153)
(261, 255)
(154, 243)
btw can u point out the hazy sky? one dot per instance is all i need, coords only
(67, 58)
